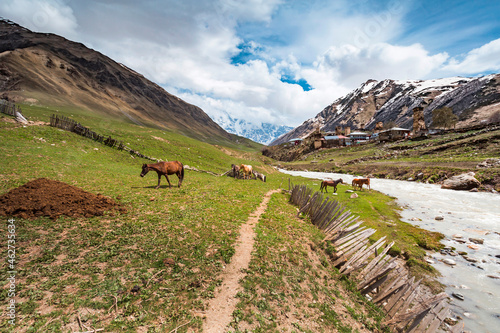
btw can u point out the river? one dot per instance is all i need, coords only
(464, 215)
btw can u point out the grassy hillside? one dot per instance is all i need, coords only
(154, 268)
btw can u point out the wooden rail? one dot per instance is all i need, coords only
(71, 125)
(377, 274)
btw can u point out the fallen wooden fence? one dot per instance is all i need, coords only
(377, 274)
(11, 109)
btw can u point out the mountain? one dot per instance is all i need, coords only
(50, 70)
(262, 133)
(473, 100)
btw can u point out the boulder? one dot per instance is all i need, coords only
(463, 182)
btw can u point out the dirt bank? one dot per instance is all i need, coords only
(52, 198)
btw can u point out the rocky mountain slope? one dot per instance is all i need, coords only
(51, 70)
(472, 99)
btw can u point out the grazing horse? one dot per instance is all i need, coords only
(358, 182)
(247, 171)
(165, 169)
(334, 183)
(236, 170)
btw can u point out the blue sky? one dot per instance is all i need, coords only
(276, 61)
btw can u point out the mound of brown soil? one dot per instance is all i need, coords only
(52, 198)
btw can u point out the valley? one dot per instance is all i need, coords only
(430, 160)
(156, 259)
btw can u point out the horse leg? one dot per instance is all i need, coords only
(168, 180)
(180, 179)
(159, 179)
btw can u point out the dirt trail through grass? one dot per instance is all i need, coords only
(220, 308)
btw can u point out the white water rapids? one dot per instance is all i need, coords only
(465, 214)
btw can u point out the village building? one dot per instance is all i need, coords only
(334, 141)
(357, 138)
(295, 141)
(392, 134)
(418, 121)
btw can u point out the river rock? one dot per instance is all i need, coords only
(449, 262)
(470, 259)
(473, 246)
(463, 182)
(458, 296)
(439, 218)
(457, 236)
(493, 276)
(477, 240)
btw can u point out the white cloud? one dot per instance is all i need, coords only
(483, 59)
(352, 66)
(43, 16)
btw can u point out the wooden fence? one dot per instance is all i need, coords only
(9, 108)
(73, 126)
(377, 274)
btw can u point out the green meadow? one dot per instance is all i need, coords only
(154, 268)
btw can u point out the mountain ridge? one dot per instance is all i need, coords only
(49, 69)
(472, 99)
(263, 133)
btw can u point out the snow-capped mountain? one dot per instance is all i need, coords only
(471, 99)
(262, 133)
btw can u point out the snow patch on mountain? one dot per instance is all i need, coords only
(263, 133)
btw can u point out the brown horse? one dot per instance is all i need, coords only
(235, 170)
(358, 182)
(247, 171)
(165, 169)
(334, 183)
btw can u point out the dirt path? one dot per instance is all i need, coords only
(220, 308)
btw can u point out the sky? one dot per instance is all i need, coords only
(275, 61)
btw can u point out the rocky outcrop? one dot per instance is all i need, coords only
(463, 182)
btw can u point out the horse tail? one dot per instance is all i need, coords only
(182, 171)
